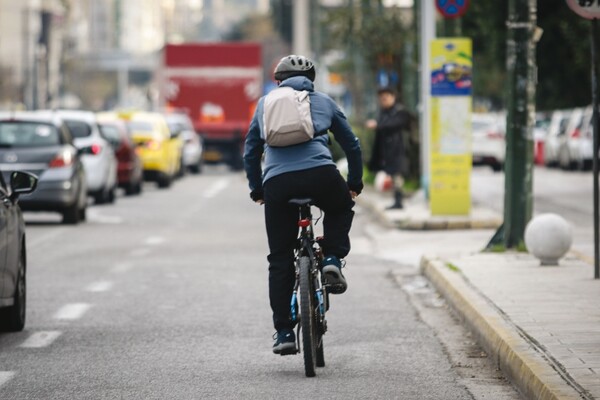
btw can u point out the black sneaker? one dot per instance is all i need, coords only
(285, 342)
(332, 271)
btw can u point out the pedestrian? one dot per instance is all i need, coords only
(304, 169)
(389, 152)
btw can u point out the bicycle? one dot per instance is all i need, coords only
(310, 299)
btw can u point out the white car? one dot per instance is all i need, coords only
(489, 139)
(100, 164)
(580, 142)
(180, 124)
(556, 132)
(575, 149)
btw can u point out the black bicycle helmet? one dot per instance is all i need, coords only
(294, 65)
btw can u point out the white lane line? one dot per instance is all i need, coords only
(121, 268)
(5, 376)
(72, 311)
(215, 188)
(155, 240)
(95, 216)
(100, 286)
(41, 339)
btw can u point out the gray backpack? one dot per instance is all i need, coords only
(287, 119)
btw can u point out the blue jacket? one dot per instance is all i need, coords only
(326, 116)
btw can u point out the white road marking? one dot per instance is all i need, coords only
(100, 286)
(121, 268)
(154, 240)
(215, 188)
(72, 311)
(144, 251)
(95, 216)
(5, 376)
(41, 339)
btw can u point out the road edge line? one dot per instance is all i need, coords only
(524, 367)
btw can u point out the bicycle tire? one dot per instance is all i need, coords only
(307, 316)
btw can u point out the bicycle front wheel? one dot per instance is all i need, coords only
(307, 316)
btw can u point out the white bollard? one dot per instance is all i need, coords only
(548, 237)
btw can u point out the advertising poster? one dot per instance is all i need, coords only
(451, 105)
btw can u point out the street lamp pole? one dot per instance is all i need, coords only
(518, 202)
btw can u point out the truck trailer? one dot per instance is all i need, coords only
(218, 85)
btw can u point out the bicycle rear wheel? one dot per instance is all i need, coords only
(307, 316)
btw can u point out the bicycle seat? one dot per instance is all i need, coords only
(301, 202)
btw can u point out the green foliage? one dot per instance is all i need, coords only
(563, 53)
(452, 267)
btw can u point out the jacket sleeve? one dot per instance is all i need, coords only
(253, 151)
(351, 145)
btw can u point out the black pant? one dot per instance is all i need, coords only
(330, 193)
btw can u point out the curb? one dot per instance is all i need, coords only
(523, 365)
(427, 224)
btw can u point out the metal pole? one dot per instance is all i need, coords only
(594, 32)
(518, 200)
(427, 25)
(301, 36)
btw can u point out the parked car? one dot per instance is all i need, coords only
(13, 282)
(100, 163)
(42, 144)
(572, 146)
(488, 140)
(130, 171)
(159, 150)
(556, 131)
(580, 143)
(181, 125)
(540, 131)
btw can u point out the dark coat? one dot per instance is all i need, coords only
(389, 149)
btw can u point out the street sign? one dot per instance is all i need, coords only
(452, 8)
(589, 9)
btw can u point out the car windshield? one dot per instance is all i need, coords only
(138, 126)
(111, 133)
(177, 127)
(79, 129)
(27, 134)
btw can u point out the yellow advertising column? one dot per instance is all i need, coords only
(450, 146)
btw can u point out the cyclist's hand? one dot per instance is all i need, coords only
(353, 194)
(260, 202)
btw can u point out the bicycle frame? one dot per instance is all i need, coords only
(308, 246)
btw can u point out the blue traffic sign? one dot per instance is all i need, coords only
(452, 8)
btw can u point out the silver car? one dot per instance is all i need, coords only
(181, 125)
(556, 131)
(43, 145)
(100, 163)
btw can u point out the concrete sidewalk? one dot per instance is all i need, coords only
(541, 324)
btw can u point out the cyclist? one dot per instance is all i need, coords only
(296, 171)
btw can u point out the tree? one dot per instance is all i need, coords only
(562, 54)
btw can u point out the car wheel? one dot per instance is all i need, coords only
(196, 168)
(111, 195)
(99, 197)
(12, 319)
(496, 167)
(83, 214)
(71, 215)
(164, 181)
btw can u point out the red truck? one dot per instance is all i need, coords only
(218, 84)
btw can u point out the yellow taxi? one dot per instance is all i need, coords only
(160, 151)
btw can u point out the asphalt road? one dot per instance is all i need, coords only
(164, 296)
